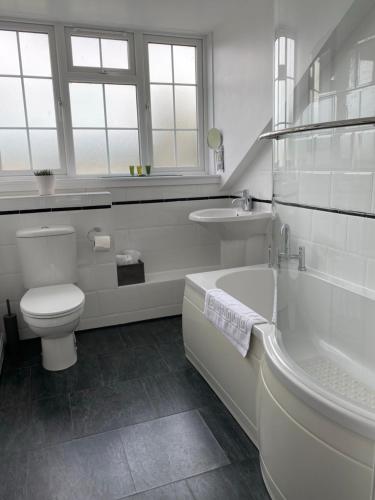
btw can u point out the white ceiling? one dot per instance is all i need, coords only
(200, 16)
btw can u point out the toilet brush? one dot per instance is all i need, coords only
(11, 331)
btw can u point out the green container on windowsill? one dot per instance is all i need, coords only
(148, 169)
(131, 170)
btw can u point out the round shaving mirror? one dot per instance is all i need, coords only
(214, 139)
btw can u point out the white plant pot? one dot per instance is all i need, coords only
(46, 184)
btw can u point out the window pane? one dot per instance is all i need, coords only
(40, 102)
(115, 53)
(44, 149)
(11, 103)
(35, 54)
(9, 63)
(186, 149)
(184, 64)
(160, 62)
(90, 152)
(162, 106)
(86, 100)
(85, 51)
(123, 149)
(14, 152)
(163, 144)
(121, 106)
(186, 107)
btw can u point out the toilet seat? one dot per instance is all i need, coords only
(52, 301)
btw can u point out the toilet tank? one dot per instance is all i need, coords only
(48, 255)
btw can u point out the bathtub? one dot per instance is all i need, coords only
(210, 352)
(305, 393)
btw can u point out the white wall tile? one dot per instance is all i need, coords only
(323, 151)
(352, 191)
(315, 188)
(329, 229)
(346, 266)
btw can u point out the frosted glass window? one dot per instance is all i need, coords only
(163, 145)
(115, 53)
(174, 105)
(186, 107)
(35, 54)
(44, 149)
(85, 51)
(123, 149)
(14, 152)
(162, 106)
(11, 103)
(184, 64)
(160, 63)
(39, 102)
(187, 149)
(121, 106)
(9, 62)
(86, 100)
(90, 152)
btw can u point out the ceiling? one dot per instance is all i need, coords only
(195, 16)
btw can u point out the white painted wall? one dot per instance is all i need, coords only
(242, 62)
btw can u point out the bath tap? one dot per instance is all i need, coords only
(246, 200)
(285, 254)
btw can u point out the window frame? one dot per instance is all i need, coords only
(48, 29)
(63, 72)
(198, 44)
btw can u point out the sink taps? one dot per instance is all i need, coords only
(285, 254)
(245, 202)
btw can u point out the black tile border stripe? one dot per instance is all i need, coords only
(194, 198)
(115, 203)
(54, 209)
(352, 213)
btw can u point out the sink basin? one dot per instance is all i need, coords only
(233, 223)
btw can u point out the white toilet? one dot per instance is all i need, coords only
(53, 305)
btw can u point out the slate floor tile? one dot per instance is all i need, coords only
(174, 491)
(51, 421)
(173, 354)
(15, 387)
(166, 330)
(13, 473)
(28, 355)
(228, 433)
(92, 468)
(101, 341)
(110, 407)
(177, 392)
(86, 373)
(169, 449)
(234, 482)
(15, 424)
(137, 334)
(132, 363)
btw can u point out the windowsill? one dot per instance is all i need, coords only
(27, 185)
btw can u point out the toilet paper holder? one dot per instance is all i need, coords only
(92, 233)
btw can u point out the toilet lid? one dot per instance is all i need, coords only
(52, 301)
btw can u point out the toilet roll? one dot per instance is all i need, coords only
(102, 243)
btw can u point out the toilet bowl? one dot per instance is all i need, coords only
(53, 313)
(52, 305)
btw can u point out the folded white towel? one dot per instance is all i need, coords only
(232, 318)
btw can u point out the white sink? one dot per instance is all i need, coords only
(233, 223)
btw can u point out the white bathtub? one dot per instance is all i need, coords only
(306, 396)
(232, 377)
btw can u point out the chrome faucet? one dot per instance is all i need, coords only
(285, 254)
(245, 202)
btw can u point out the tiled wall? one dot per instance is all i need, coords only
(169, 243)
(333, 169)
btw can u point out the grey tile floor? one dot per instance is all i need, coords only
(132, 419)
